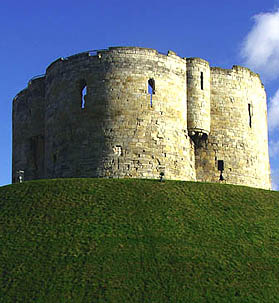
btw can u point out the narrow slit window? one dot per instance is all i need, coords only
(202, 80)
(83, 91)
(83, 96)
(151, 89)
(221, 169)
(221, 165)
(250, 114)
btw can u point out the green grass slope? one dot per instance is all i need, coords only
(127, 240)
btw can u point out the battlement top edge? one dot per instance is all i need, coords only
(139, 50)
(235, 68)
(36, 79)
(115, 50)
(134, 50)
(21, 93)
(243, 68)
(196, 59)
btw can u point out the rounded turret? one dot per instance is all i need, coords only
(198, 97)
(236, 151)
(119, 112)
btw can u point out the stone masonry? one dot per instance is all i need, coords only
(129, 112)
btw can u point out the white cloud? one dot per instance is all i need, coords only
(273, 112)
(260, 48)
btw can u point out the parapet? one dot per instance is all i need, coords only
(235, 69)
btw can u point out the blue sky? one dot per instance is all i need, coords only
(224, 32)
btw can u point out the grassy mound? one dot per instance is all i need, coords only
(108, 240)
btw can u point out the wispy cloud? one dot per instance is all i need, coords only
(260, 52)
(260, 48)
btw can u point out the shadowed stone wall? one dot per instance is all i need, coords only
(28, 131)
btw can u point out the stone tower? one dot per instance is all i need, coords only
(133, 112)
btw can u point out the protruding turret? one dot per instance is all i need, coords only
(198, 97)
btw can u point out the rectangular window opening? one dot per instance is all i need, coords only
(201, 80)
(83, 96)
(221, 165)
(221, 169)
(250, 114)
(151, 89)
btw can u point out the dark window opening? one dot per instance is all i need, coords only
(151, 89)
(221, 169)
(250, 115)
(202, 80)
(151, 86)
(221, 165)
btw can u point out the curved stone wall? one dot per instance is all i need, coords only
(198, 96)
(133, 112)
(238, 134)
(119, 132)
(28, 130)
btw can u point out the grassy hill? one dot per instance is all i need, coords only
(127, 240)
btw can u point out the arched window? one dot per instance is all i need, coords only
(151, 89)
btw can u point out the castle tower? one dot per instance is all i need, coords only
(198, 98)
(133, 112)
(238, 139)
(131, 123)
